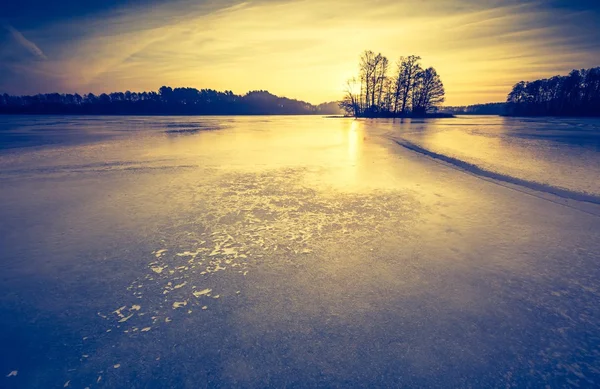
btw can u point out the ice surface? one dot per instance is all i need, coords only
(557, 154)
(294, 251)
(534, 183)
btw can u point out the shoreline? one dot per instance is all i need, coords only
(426, 116)
(429, 116)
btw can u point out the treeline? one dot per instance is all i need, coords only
(577, 94)
(167, 101)
(410, 90)
(476, 109)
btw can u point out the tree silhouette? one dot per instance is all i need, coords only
(577, 94)
(428, 91)
(351, 103)
(411, 92)
(476, 109)
(408, 69)
(168, 101)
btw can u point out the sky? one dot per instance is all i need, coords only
(304, 49)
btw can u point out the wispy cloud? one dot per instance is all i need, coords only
(26, 43)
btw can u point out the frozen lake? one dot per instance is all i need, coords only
(559, 153)
(299, 252)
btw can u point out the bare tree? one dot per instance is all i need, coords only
(388, 95)
(373, 73)
(408, 68)
(366, 78)
(381, 68)
(428, 91)
(351, 101)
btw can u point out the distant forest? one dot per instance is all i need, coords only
(167, 101)
(577, 94)
(409, 91)
(476, 109)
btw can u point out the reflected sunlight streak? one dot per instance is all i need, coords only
(353, 139)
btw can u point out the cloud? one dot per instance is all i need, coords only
(26, 43)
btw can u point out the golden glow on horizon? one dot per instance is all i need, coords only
(307, 49)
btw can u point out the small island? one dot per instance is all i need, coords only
(411, 91)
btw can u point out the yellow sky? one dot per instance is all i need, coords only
(307, 49)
